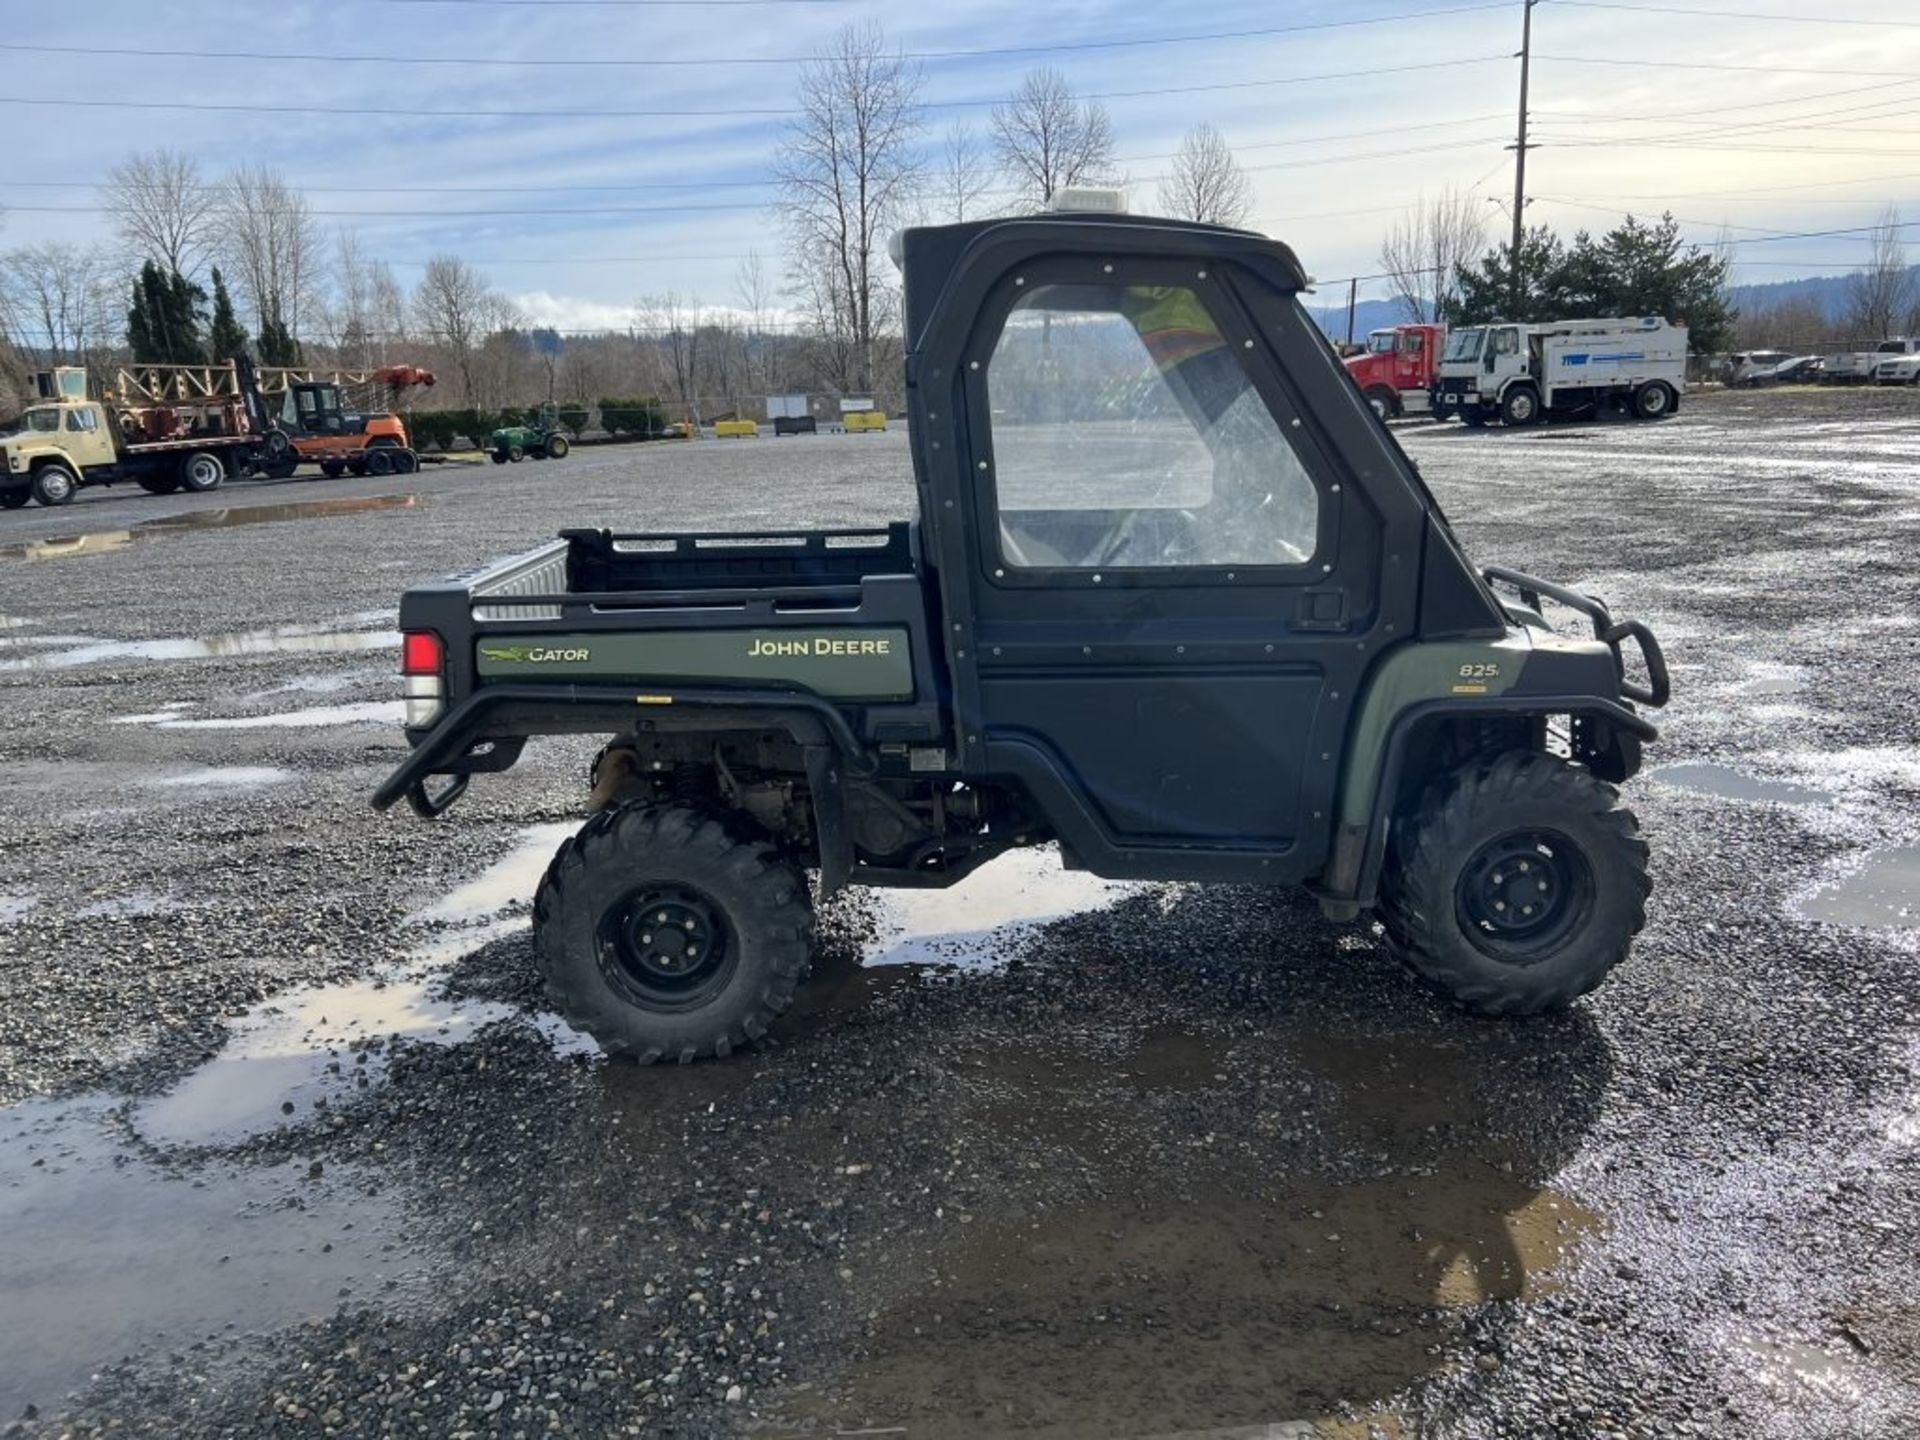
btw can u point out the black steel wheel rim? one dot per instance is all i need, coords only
(1522, 895)
(667, 947)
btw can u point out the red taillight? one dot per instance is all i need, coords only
(420, 653)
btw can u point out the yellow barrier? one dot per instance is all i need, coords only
(855, 420)
(745, 428)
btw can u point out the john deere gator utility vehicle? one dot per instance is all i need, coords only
(1174, 601)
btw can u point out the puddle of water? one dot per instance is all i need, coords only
(99, 542)
(14, 908)
(384, 712)
(1770, 679)
(139, 902)
(226, 776)
(314, 1048)
(153, 717)
(1728, 783)
(509, 881)
(979, 923)
(1792, 1365)
(1884, 894)
(102, 1256)
(285, 640)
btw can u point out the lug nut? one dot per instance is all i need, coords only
(689, 925)
(661, 917)
(646, 939)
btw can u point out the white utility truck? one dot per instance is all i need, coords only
(1567, 369)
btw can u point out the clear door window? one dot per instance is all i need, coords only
(1126, 433)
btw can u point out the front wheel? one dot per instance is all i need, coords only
(557, 447)
(664, 935)
(516, 454)
(55, 484)
(499, 457)
(1520, 406)
(1518, 886)
(1384, 402)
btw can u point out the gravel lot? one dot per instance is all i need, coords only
(288, 1146)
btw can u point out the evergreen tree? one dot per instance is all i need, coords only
(277, 345)
(225, 339)
(1634, 269)
(163, 322)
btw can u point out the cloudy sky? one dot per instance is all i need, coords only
(586, 152)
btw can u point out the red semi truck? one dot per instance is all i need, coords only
(1398, 369)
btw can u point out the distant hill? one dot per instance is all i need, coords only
(1367, 315)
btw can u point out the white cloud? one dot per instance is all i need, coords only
(569, 312)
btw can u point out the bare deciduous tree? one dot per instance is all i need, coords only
(60, 300)
(753, 289)
(1047, 140)
(163, 210)
(273, 244)
(455, 309)
(1205, 182)
(1426, 248)
(847, 170)
(674, 322)
(962, 175)
(1880, 298)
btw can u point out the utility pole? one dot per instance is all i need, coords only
(1519, 149)
(1353, 299)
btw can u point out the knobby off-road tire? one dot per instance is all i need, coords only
(667, 936)
(1523, 830)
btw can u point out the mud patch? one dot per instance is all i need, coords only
(1882, 894)
(103, 1254)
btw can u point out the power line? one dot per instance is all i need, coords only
(707, 62)
(1820, 19)
(682, 112)
(1730, 69)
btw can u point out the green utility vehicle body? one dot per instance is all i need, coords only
(1175, 601)
(542, 439)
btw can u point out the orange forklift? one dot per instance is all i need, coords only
(314, 415)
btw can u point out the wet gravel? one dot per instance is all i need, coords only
(1191, 1159)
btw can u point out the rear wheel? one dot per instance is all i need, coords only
(1473, 417)
(1520, 406)
(55, 484)
(159, 484)
(1518, 886)
(332, 469)
(405, 462)
(201, 472)
(664, 935)
(1652, 401)
(380, 462)
(557, 447)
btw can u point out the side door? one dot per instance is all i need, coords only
(1506, 359)
(86, 438)
(1174, 583)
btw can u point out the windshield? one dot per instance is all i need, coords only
(1380, 342)
(45, 418)
(1464, 344)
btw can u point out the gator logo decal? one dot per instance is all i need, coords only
(534, 654)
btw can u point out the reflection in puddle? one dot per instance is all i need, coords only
(507, 882)
(384, 712)
(978, 923)
(285, 640)
(1789, 1365)
(308, 1049)
(1731, 784)
(226, 518)
(102, 1255)
(224, 776)
(1884, 893)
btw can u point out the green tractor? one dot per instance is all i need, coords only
(540, 438)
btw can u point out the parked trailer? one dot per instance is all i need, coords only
(1398, 369)
(187, 431)
(1567, 369)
